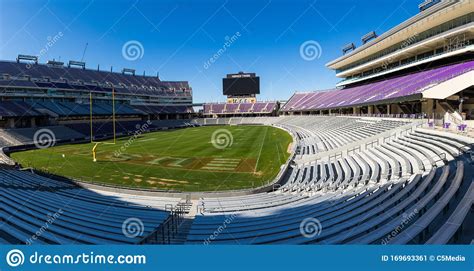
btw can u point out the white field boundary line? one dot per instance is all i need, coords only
(278, 152)
(260, 152)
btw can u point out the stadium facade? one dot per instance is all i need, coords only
(421, 67)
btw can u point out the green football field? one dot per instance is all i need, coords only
(192, 159)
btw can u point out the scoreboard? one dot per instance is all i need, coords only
(241, 84)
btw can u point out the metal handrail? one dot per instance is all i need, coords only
(470, 146)
(167, 230)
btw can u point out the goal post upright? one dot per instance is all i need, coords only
(90, 116)
(94, 152)
(92, 141)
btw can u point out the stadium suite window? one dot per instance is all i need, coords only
(413, 59)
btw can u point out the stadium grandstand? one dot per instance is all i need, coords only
(366, 167)
(35, 94)
(420, 68)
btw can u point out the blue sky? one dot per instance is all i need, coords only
(179, 37)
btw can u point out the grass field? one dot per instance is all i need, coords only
(192, 159)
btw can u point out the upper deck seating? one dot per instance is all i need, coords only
(403, 86)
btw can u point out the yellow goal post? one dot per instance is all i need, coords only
(97, 143)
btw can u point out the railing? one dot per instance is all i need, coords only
(442, 158)
(468, 151)
(372, 143)
(353, 150)
(347, 182)
(201, 209)
(335, 156)
(389, 116)
(165, 233)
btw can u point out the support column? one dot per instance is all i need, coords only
(10, 123)
(376, 110)
(427, 106)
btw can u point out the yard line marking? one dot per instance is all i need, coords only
(221, 165)
(260, 152)
(219, 168)
(225, 159)
(225, 163)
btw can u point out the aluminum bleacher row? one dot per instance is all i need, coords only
(403, 86)
(239, 108)
(417, 183)
(17, 109)
(70, 109)
(75, 109)
(27, 135)
(397, 158)
(319, 134)
(80, 216)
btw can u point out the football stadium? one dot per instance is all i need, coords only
(384, 157)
